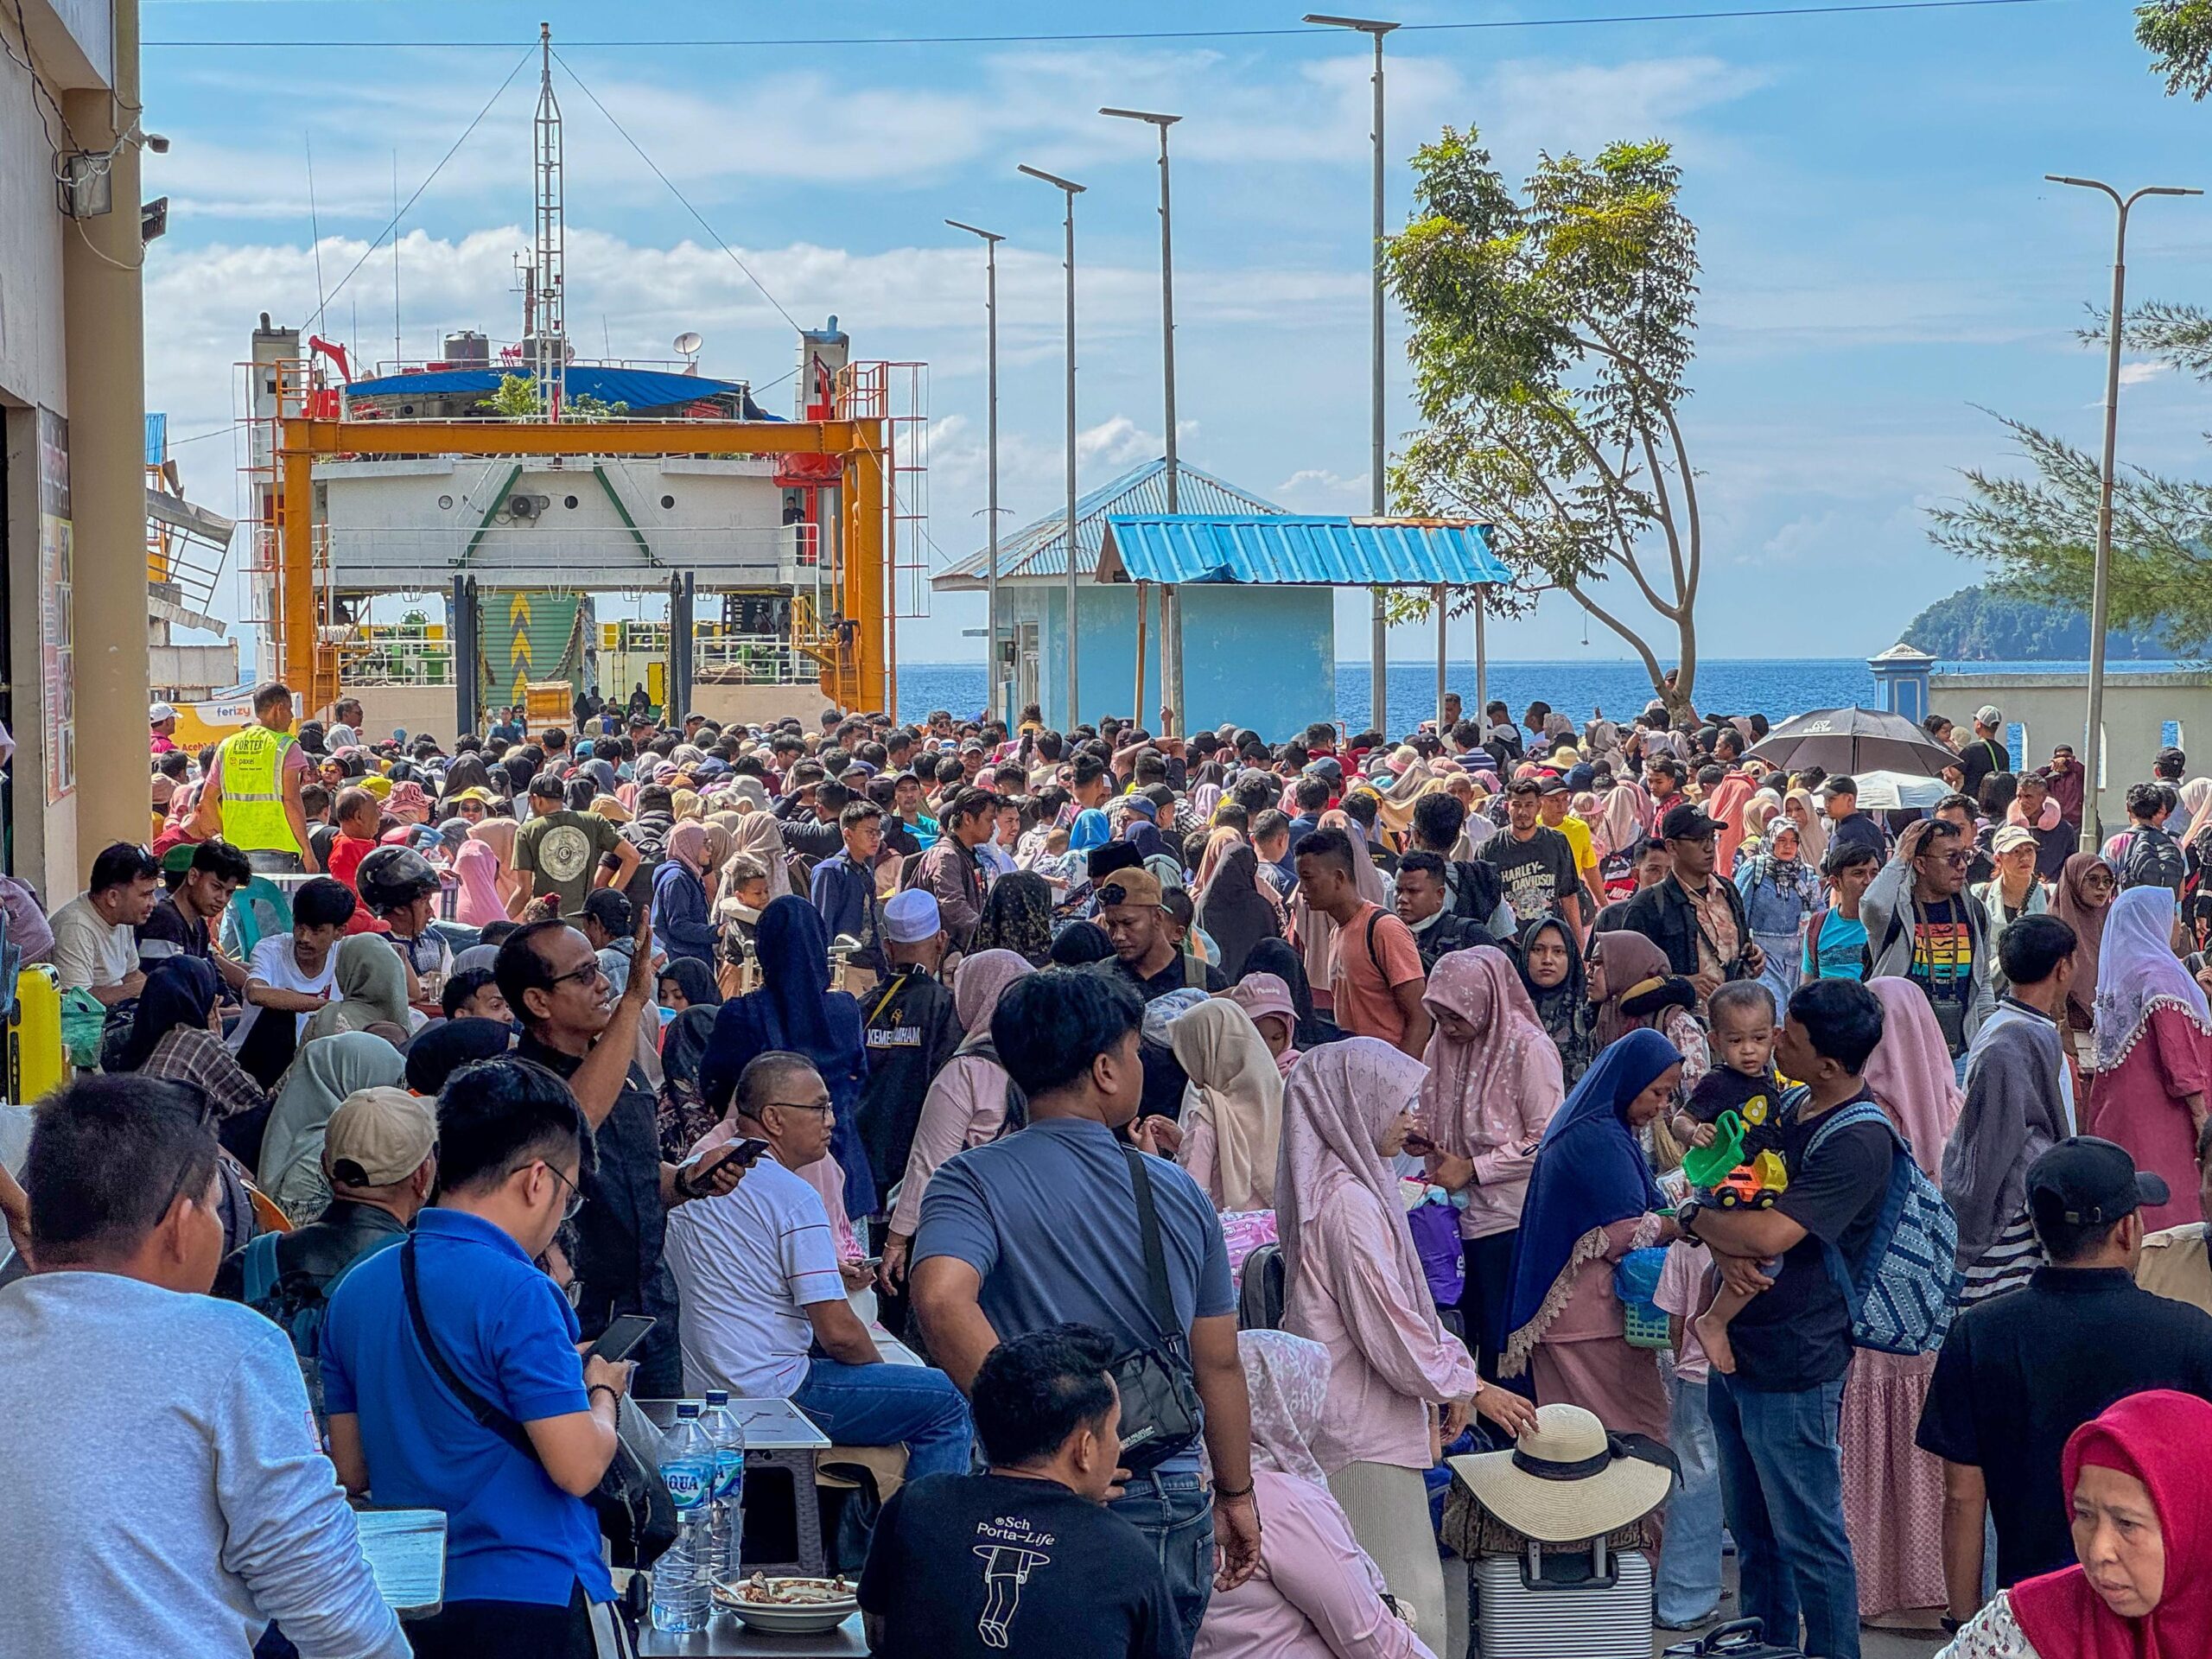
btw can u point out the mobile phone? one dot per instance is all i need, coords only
(746, 1153)
(623, 1333)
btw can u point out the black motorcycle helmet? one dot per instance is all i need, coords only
(392, 877)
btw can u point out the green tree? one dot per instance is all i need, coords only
(516, 399)
(2179, 35)
(1551, 335)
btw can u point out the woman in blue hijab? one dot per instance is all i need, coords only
(1591, 1201)
(796, 1010)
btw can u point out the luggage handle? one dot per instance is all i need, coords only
(1603, 1574)
(1737, 1634)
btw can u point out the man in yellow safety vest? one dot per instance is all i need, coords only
(252, 798)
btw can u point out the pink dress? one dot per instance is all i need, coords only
(1584, 1358)
(1386, 1362)
(2138, 1103)
(1316, 1596)
(965, 1107)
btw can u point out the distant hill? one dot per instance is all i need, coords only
(1982, 625)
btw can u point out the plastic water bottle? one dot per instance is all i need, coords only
(682, 1589)
(727, 1435)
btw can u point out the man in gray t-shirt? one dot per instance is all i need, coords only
(1041, 1228)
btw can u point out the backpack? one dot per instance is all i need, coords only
(2153, 859)
(1901, 1295)
(298, 1316)
(1259, 1299)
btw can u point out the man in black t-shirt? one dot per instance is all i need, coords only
(1536, 864)
(2020, 1372)
(1986, 752)
(1775, 1417)
(1025, 1558)
(185, 921)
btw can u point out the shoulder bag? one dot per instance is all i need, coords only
(1160, 1414)
(636, 1514)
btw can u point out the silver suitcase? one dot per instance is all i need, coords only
(1595, 1605)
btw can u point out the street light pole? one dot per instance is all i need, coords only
(1000, 704)
(1171, 604)
(1378, 625)
(2093, 757)
(1070, 190)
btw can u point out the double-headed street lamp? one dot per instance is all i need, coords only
(1070, 190)
(991, 240)
(2093, 757)
(1379, 628)
(1170, 609)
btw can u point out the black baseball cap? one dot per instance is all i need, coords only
(1553, 784)
(1688, 822)
(2087, 1181)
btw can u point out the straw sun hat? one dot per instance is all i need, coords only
(1568, 1479)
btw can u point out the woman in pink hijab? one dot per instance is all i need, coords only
(479, 904)
(408, 802)
(1354, 1285)
(1267, 1000)
(1316, 1595)
(1893, 1491)
(1494, 1080)
(499, 835)
(967, 1101)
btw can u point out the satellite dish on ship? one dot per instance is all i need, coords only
(687, 347)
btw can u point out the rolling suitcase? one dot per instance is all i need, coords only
(1533, 1605)
(1742, 1638)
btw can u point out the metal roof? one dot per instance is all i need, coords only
(1297, 549)
(639, 388)
(1040, 550)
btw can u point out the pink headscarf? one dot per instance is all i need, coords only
(479, 904)
(1727, 803)
(1265, 994)
(1287, 1379)
(1909, 1072)
(687, 845)
(982, 979)
(408, 802)
(1509, 1074)
(1339, 1098)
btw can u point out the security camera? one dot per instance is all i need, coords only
(158, 143)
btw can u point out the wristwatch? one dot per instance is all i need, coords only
(1686, 1212)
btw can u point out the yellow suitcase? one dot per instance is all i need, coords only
(36, 1066)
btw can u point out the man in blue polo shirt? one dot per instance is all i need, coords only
(523, 1561)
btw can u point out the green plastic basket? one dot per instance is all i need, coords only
(1644, 1326)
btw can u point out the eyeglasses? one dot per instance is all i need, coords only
(1956, 860)
(590, 971)
(575, 1193)
(826, 1107)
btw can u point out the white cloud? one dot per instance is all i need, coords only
(2134, 374)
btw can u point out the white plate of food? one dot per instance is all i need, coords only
(788, 1606)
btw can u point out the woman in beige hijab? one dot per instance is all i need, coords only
(1232, 1110)
(758, 834)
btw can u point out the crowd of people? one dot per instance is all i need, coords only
(1239, 1186)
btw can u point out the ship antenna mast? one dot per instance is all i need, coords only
(548, 326)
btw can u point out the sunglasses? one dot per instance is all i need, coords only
(589, 972)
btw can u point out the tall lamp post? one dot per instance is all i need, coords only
(1070, 190)
(2092, 747)
(991, 239)
(1379, 626)
(1171, 605)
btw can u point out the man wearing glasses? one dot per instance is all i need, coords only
(1922, 924)
(574, 1025)
(1694, 915)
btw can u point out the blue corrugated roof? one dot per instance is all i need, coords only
(1041, 549)
(639, 388)
(1297, 549)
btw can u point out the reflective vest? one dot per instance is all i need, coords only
(253, 798)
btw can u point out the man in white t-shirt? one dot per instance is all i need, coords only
(95, 944)
(756, 1272)
(293, 973)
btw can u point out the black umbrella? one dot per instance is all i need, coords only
(1853, 740)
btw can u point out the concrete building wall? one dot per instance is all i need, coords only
(2052, 708)
(1263, 656)
(71, 344)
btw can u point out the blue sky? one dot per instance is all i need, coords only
(1881, 257)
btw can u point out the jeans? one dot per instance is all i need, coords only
(1174, 1512)
(1689, 1557)
(887, 1405)
(1781, 1488)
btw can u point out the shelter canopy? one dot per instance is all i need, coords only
(1290, 548)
